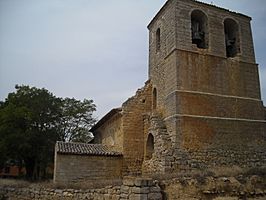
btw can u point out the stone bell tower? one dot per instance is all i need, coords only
(206, 87)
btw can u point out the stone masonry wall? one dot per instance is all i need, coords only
(212, 86)
(216, 17)
(134, 111)
(111, 133)
(211, 74)
(78, 168)
(205, 70)
(225, 107)
(214, 188)
(159, 163)
(174, 22)
(181, 188)
(206, 143)
(210, 106)
(166, 22)
(131, 189)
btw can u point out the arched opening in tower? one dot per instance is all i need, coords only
(199, 29)
(231, 34)
(149, 147)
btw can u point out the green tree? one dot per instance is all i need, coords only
(77, 120)
(28, 128)
(32, 120)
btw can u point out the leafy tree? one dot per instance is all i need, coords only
(28, 127)
(77, 120)
(32, 120)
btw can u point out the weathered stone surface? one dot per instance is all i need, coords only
(129, 181)
(125, 188)
(154, 196)
(71, 168)
(140, 182)
(223, 188)
(138, 197)
(126, 192)
(155, 189)
(140, 190)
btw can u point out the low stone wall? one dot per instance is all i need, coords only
(222, 188)
(140, 189)
(77, 168)
(182, 188)
(45, 193)
(131, 189)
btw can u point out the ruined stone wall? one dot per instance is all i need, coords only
(124, 131)
(78, 168)
(111, 133)
(134, 110)
(131, 189)
(215, 188)
(160, 161)
(183, 188)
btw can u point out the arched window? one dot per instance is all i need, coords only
(154, 98)
(149, 147)
(199, 29)
(231, 34)
(158, 39)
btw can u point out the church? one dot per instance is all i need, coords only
(199, 109)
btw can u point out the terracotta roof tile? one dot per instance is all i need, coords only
(84, 149)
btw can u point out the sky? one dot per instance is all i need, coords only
(92, 49)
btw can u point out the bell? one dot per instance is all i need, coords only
(230, 42)
(197, 36)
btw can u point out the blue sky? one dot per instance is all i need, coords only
(92, 49)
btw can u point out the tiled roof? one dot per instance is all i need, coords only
(84, 149)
